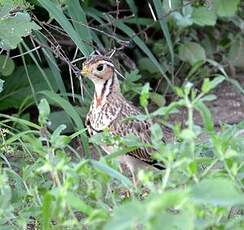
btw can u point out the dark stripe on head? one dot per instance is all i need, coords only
(104, 88)
(112, 83)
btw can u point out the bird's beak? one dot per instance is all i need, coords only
(85, 71)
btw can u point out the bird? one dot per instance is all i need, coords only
(110, 110)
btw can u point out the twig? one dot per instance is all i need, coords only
(27, 52)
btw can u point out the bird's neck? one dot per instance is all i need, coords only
(104, 89)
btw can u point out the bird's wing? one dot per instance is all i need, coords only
(124, 126)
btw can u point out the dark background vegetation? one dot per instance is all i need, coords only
(183, 64)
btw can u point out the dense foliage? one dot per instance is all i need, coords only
(173, 53)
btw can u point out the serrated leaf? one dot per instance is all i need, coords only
(13, 28)
(226, 8)
(204, 16)
(6, 65)
(191, 52)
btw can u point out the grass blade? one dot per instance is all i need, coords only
(127, 30)
(53, 65)
(163, 24)
(66, 25)
(111, 172)
(80, 22)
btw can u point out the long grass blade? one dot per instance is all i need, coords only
(79, 21)
(164, 26)
(66, 25)
(52, 65)
(127, 30)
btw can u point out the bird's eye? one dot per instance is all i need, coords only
(100, 67)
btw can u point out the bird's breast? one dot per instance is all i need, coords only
(102, 116)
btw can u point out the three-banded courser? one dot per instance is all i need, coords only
(109, 110)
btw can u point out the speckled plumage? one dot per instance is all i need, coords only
(110, 110)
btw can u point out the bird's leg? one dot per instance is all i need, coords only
(126, 193)
(121, 168)
(134, 178)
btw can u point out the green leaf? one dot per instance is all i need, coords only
(236, 53)
(156, 132)
(57, 140)
(52, 63)
(144, 95)
(158, 99)
(111, 172)
(147, 65)
(204, 16)
(206, 116)
(47, 210)
(75, 202)
(226, 8)
(216, 191)
(132, 6)
(164, 26)
(191, 52)
(16, 90)
(6, 65)
(44, 111)
(187, 134)
(170, 5)
(127, 216)
(209, 85)
(13, 28)
(184, 19)
(80, 23)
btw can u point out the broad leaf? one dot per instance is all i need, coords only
(17, 86)
(236, 53)
(184, 19)
(13, 28)
(6, 65)
(226, 8)
(217, 191)
(203, 16)
(191, 52)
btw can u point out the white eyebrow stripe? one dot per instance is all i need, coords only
(109, 64)
(112, 65)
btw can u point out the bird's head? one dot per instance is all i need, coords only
(101, 71)
(98, 68)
